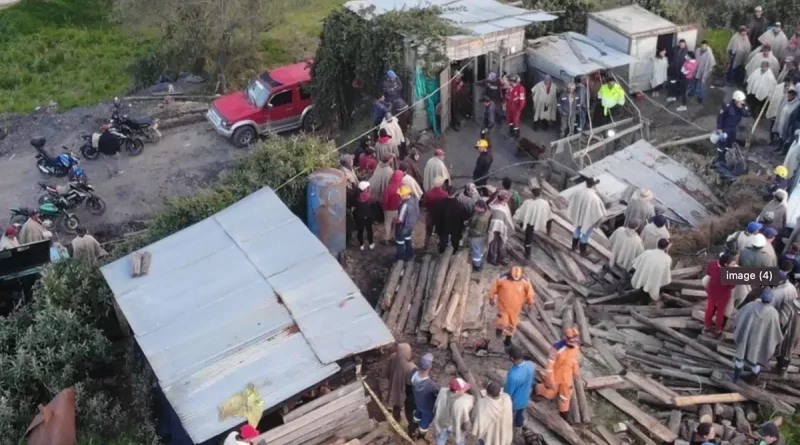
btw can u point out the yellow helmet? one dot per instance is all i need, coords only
(515, 272)
(404, 191)
(482, 145)
(781, 171)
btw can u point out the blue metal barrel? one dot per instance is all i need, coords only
(327, 209)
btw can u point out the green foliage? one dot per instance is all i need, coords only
(63, 50)
(353, 48)
(718, 41)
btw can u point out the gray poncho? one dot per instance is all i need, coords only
(755, 257)
(758, 333)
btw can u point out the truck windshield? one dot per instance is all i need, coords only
(257, 93)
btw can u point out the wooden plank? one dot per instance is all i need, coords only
(639, 434)
(553, 421)
(605, 351)
(605, 141)
(596, 130)
(583, 324)
(686, 272)
(464, 370)
(419, 294)
(753, 393)
(606, 381)
(648, 387)
(733, 397)
(604, 252)
(648, 422)
(693, 293)
(318, 402)
(385, 301)
(607, 435)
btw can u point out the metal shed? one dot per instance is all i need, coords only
(686, 197)
(248, 295)
(639, 33)
(564, 56)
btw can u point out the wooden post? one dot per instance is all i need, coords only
(464, 370)
(583, 324)
(438, 283)
(419, 294)
(401, 300)
(385, 301)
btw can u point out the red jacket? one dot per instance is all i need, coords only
(391, 199)
(716, 290)
(515, 101)
(367, 162)
(432, 197)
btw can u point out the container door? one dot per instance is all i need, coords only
(688, 34)
(643, 49)
(444, 99)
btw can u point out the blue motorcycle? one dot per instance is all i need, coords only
(65, 164)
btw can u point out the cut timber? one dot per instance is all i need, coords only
(649, 423)
(455, 269)
(605, 351)
(318, 402)
(464, 370)
(606, 381)
(603, 251)
(607, 435)
(693, 294)
(685, 272)
(709, 398)
(674, 422)
(553, 421)
(724, 412)
(553, 333)
(595, 130)
(752, 393)
(385, 300)
(583, 324)
(419, 294)
(686, 284)
(639, 434)
(402, 299)
(705, 414)
(740, 420)
(583, 403)
(458, 291)
(408, 300)
(435, 292)
(651, 387)
(462, 305)
(539, 356)
(529, 330)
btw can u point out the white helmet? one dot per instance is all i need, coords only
(738, 96)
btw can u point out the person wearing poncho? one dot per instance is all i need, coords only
(392, 127)
(641, 207)
(412, 183)
(788, 307)
(764, 55)
(778, 208)
(743, 238)
(757, 255)
(386, 146)
(33, 231)
(435, 168)
(380, 178)
(652, 270)
(626, 246)
(453, 412)
(660, 65)
(757, 335)
(654, 231)
(705, 66)
(410, 165)
(86, 248)
(501, 225)
(494, 417)
(761, 83)
(534, 215)
(586, 210)
(738, 50)
(777, 40)
(399, 375)
(9, 239)
(788, 104)
(545, 97)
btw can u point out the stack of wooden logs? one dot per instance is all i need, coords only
(432, 298)
(340, 414)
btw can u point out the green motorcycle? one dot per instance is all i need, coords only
(50, 215)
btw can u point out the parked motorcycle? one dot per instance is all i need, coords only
(109, 142)
(65, 164)
(144, 128)
(50, 214)
(71, 196)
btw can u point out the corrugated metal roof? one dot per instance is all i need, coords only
(554, 56)
(248, 295)
(479, 16)
(634, 20)
(686, 196)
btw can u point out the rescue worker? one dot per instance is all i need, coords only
(562, 369)
(480, 174)
(738, 50)
(407, 218)
(425, 393)
(86, 248)
(778, 207)
(545, 103)
(612, 98)
(33, 231)
(757, 335)
(652, 271)
(449, 217)
(534, 215)
(430, 200)
(398, 373)
(586, 210)
(434, 168)
(719, 295)
(641, 207)
(454, 412)
(9, 239)
(728, 121)
(494, 416)
(654, 231)
(478, 232)
(510, 293)
(757, 255)
(519, 384)
(501, 225)
(626, 246)
(515, 105)
(780, 181)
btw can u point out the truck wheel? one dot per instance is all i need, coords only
(244, 136)
(309, 122)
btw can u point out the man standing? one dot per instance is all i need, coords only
(494, 417)
(501, 225)
(582, 92)
(510, 293)
(705, 66)
(612, 98)
(380, 178)
(757, 255)
(519, 384)
(586, 210)
(640, 207)
(33, 231)
(676, 61)
(381, 108)
(480, 174)
(515, 105)
(425, 392)
(757, 59)
(738, 241)
(756, 26)
(535, 214)
(412, 183)
(760, 84)
(410, 165)
(459, 100)
(562, 369)
(757, 335)
(777, 206)
(545, 98)
(489, 113)
(454, 412)
(568, 108)
(86, 248)
(399, 375)
(392, 86)
(363, 214)
(386, 147)
(718, 294)
(654, 231)
(9, 239)
(738, 51)
(449, 218)
(390, 202)
(478, 231)
(777, 40)
(398, 141)
(728, 121)
(435, 168)
(407, 218)
(626, 246)
(784, 300)
(652, 271)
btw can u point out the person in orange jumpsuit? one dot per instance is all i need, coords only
(562, 368)
(515, 104)
(510, 293)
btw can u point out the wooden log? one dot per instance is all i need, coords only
(655, 389)
(639, 434)
(583, 324)
(724, 412)
(553, 421)
(321, 401)
(709, 398)
(752, 393)
(464, 370)
(419, 294)
(462, 305)
(408, 304)
(385, 300)
(686, 284)
(607, 435)
(583, 403)
(674, 422)
(539, 356)
(682, 339)
(686, 272)
(435, 293)
(402, 299)
(335, 410)
(681, 375)
(456, 268)
(381, 430)
(550, 330)
(740, 420)
(648, 422)
(458, 293)
(526, 328)
(604, 252)
(605, 351)
(706, 414)
(606, 381)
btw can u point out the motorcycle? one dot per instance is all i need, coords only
(109, 142)
(71, 196)
(50, 214)
(65, 164)
(146, 129)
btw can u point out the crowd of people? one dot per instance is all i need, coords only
(83, 247)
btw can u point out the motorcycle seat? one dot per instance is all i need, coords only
(141, 122)
(38, 142)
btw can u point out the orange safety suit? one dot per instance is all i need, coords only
(511, 295)
(562, 368)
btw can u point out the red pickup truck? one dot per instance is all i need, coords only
(275, 101)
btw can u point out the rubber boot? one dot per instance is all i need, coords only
(575, 242)
(527, 252)
(507, 341)
(583, 248)
(737, 372)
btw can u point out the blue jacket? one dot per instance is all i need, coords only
(519, 384)
(425, 392)
(730, 116)
(380, 110)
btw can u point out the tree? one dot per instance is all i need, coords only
(195, 33)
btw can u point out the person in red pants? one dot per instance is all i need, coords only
(718, 294)
(515, 104)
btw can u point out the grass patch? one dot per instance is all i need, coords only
(63, 50)
(718, 40)
(297, 38)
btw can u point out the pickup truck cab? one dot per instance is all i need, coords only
(275, 101)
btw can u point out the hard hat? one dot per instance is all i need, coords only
(781, 171)
(404, 191)
(482, 144)
(714, 138)
(571, 332)
(738, 96)
(516, 272)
